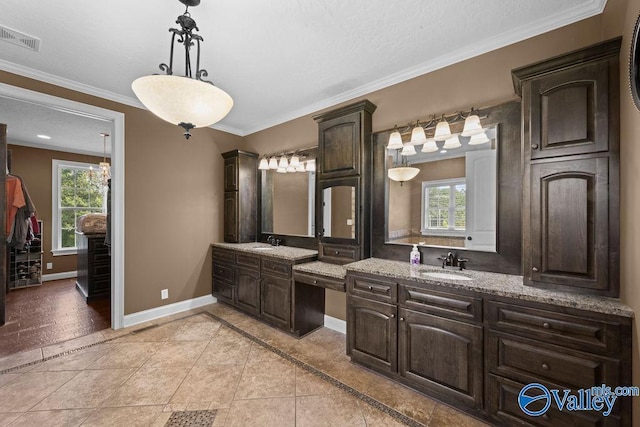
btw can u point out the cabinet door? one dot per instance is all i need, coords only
(569, 224)
(372, 333)
(223, 290)
(248, 290)
(231, 223)
(569, 111)
(339, 145)
(441, 355)
(276, 300)
(231, 174)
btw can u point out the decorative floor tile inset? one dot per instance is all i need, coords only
(191, 419)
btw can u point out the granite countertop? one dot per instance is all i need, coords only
(505, 285)
(333, 271)
(284, 252)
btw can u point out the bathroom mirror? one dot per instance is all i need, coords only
(507, 256)
(288, 203)
(338, 212)
(451, 202)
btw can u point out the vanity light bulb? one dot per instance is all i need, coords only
(311, 165)
(408, 150)
(273, 163)
(417, 136)
(264, 164)
(395, 141)
(281, 170)
(472, 126)
(300, 167)
(443, 131)
(295, 161)
(291, 169)
(478, 139)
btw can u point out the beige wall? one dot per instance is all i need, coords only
(172, 204)
(34, 166)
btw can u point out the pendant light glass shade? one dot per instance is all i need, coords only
(295, 161)
(430, 146)
(402, 173)
(264, 164)
(408, 150)
(443, 131)
(417, 135)
(283, 163)
(453, 142)
(472, 126)
(395, 140)
(311, 165)
(273, 163)
(182, 100)
(479, 138)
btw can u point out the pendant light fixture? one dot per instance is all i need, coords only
(188, 101)
(105, 167)
(402, 172)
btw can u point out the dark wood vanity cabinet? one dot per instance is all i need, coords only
(570, 128)
(558, 348)
(431, 342)
(240, 196)
(94, 267)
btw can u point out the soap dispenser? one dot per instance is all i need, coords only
(414, 257)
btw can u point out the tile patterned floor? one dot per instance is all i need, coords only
(207, 359)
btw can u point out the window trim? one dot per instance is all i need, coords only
(424, 230)
(56, 217)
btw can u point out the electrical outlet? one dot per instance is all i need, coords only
(164, 294)
(49, 266)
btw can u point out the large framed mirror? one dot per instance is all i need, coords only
(288, 200)
(433, 210)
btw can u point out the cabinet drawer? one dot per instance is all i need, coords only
(222, 254)
(247, 260)
(272, 266)
(322, 282)
(567, 330)
(441, 303)
(223, 290)
(532, 361)
(373, 289)
(223, 271)
(341, 254)
(502, 404)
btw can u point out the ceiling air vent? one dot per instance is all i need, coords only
(20, 39)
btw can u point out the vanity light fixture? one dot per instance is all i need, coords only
(417, 135)
(283, 163)
(472, 125)
(273, 163)
(395, 140)
(295, 160)
(443, 131)
(479, 138)
(311, 165)
(187, 101)
(408, 150)
(264, 164)
(281, 170)
(300, 167)
(453, 142)
(430, 146)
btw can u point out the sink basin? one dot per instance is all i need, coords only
(263, 249)
(446, 276)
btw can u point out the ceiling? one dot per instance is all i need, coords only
(278, 59)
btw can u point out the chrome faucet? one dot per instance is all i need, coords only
(273, 241)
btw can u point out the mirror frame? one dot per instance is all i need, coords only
(508, 256)
(306, 242)
(337, 182)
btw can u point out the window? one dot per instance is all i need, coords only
(444, 207)
(75, 193)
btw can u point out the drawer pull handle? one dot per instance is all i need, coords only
(393, 316)
(546, 325)
(402, 319)
(370, 288)
(315, 282)
(535, 268)
(337, 252)
(545, 367)
(534, 146)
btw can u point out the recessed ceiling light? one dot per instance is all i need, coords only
(443, 151)
(43, 136)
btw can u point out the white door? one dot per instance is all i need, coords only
(481, 200)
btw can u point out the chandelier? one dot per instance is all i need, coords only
(104, 168)
(188, 101)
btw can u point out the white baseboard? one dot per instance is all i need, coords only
(167, 310)
(335, 324)
(59, 276)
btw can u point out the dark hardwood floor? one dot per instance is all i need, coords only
(48, 314)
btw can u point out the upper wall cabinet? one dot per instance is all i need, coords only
(341, 137)
(570, 129)
(343, 185)
(240, 196)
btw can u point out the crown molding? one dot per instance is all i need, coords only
(63, 149)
